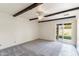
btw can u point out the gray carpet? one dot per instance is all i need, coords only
(34, 48)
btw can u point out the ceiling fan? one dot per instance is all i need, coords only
(40, 12)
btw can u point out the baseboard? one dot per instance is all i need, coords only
(47, 40)
(15, 44)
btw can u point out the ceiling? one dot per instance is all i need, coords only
(12, 8)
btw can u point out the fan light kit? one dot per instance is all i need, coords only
(40, 12)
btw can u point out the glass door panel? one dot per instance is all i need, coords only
(59, 31)
(67, 31)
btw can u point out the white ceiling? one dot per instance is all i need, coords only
(50, 8)
(56, 7)
(12, 8)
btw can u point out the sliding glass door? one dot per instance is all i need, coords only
(64, 31)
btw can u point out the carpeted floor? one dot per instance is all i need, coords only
(40, 48)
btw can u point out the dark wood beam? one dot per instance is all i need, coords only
(33, 19)
(57, 19)
(72, 9)
(27, 9)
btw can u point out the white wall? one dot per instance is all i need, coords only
(47, 30)
(16, 30)
(26, 30)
